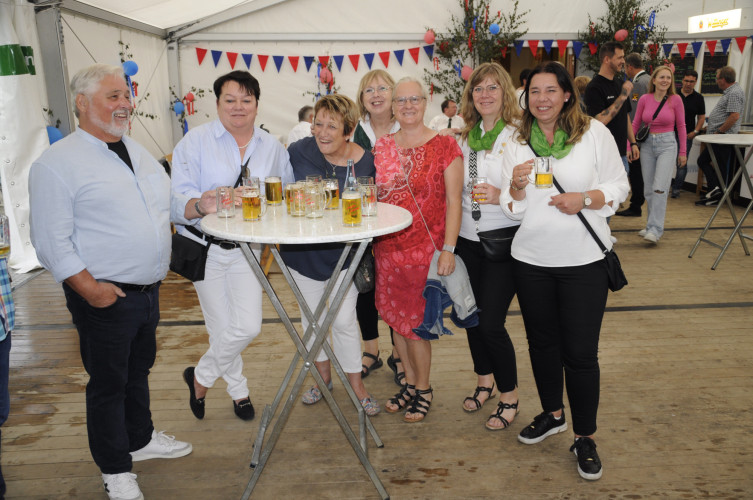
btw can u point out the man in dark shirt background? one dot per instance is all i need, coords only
(695, 115)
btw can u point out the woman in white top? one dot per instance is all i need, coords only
(559, 270)
(491, 112)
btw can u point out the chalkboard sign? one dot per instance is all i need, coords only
(708, 76)
(681, 66)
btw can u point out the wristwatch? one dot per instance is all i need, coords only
(586, 200)
(198, 210)
(448, 248)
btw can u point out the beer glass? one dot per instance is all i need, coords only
(333, 188)
(365, 181)
(298, 199)
(288, 186)
(317, 199)
(475, 181)
(369, 199)
(253, 203)
(225, 201)
(542, 169)
(351, 208)
(273, 190)
(313, 178)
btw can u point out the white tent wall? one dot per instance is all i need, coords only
(88, 41)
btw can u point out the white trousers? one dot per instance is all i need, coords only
(346, 337)
(230, 298)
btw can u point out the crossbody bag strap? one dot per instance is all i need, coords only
(407, 183)
(661, 105)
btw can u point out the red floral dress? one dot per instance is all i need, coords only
(403, 258)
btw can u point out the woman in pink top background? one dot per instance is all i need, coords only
(659, 151)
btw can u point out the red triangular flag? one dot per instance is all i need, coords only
(711, 44)
(504, 51)
(414, 53)
(262, 61)
(534, 46)
(294, 62)
(562, 46)
(232, 56)
(741, 42)
(354, 58)
(385, 57)
(681, 48)
(200, 53)
(592, 47)
(323, 60)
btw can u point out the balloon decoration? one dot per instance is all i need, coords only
(429, 37)
(651, 21)
(465, 73)
(494, 28)
(325, 75)
(130, 68)
(188, 102)
(54, 134)
(179, 108)
(621, 35)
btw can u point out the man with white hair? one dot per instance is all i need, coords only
(100, 222)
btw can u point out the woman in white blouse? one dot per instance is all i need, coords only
(559, 270)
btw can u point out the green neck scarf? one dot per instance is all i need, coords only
(485, 143)
(558, 149)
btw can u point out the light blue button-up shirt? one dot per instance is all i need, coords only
(90, 211)
(207, 157)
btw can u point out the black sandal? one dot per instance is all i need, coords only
(402, 399)
(399, 376)
(419, 406)
(498, 414)
(376, 364)
(475, 400)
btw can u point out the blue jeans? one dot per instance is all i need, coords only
(682, 172)
(118, 348)
(658, 161)
(625, 163)
(4, 394)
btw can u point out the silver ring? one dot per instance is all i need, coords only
(520, 178)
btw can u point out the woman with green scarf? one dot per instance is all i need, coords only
(491, 112)
(559, 269)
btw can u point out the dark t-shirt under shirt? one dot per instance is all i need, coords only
(119, 148)
(600, 94)
(694, 105)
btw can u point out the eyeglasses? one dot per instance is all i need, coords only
(490, 89)
(414, 99)
(382, 89)
(689, 81)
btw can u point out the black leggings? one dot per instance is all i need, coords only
(493, 287)
(562, 310)
(368, 317)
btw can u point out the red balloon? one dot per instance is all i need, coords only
(429, 37)
(190, 97)
(325, 76)
(621, 35)
(465, 73)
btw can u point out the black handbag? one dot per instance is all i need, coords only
(645, 129)
(364, 278)
(188, 258)
(497, 243)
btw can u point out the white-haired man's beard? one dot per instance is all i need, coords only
(117, 126)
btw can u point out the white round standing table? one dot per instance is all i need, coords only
(277, 227)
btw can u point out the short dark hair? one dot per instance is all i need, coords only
(446, 103)
(691, 72)
(523, 77)
(634, 60)
(303, 113)
(243, 78)
(608, 50)
(727, 73)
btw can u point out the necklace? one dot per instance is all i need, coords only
(333, 166)
(249, 142)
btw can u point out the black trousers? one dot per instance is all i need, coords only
(562, 310)
(368, 317)
(636, 185)
(118, 348)
(493, 287)
(725, 157)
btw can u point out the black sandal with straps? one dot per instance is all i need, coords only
(399, 376)
(475, 399)
(419, 406)
(402, 399)
(501, 407)
(376, 364)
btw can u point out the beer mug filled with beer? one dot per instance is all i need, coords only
(542, 168)
(273, 190)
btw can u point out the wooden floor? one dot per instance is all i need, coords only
(675, 416)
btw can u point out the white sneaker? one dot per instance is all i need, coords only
(714, 192)
(162, 446)
(651, 237)
(642, 233)
(613, 239)
(122, 486)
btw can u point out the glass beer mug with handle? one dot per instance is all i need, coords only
(317, 199)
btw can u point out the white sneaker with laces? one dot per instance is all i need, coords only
(122, 486)
(162, 446)
(651, 237)
(642, 233)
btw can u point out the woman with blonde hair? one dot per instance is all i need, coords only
(491, 112)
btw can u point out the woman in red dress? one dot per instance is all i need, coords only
(415, 168)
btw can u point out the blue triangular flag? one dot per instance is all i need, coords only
(429, 49)
(577, 47)
(278, 61)
(216, 54)
(369, 58)
(667, 48)
(338, 62)
(725, 45)
(547, 45)
(247, 59)
(518, 46)
(696, 47)
(399, 55)
(309, 60)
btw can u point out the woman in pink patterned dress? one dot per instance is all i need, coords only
(432, 165)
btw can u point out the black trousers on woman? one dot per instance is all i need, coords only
(493, 287)
(562, 310)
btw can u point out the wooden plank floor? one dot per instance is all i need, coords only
(674, 422)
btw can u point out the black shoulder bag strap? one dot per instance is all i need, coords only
(661, 105)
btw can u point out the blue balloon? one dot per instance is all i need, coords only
(130, 68)
(178, 107)
(54, 134)
(494, 28)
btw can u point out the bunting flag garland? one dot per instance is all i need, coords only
(562, 46)
(697, 48)
(548, 46)
(711, 45)
(385, 57)
(741, 42)
(504, 51)
(725, 45)
(518, 46)
(338, 62)
(308, 60)
(681, 48)
(231, 57)
(262, 61)
(429, 49)
(399, 56)
(577, 47)
(200, 53)
(667, 49)
(278, 61)
(216, 54)
(247, 60)
(534, 46)
(323, 60)
(369, 59)
(414, 52)
(354, 58)
(593, 47)
(294, 62)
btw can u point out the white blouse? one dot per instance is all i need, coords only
(548, 237)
